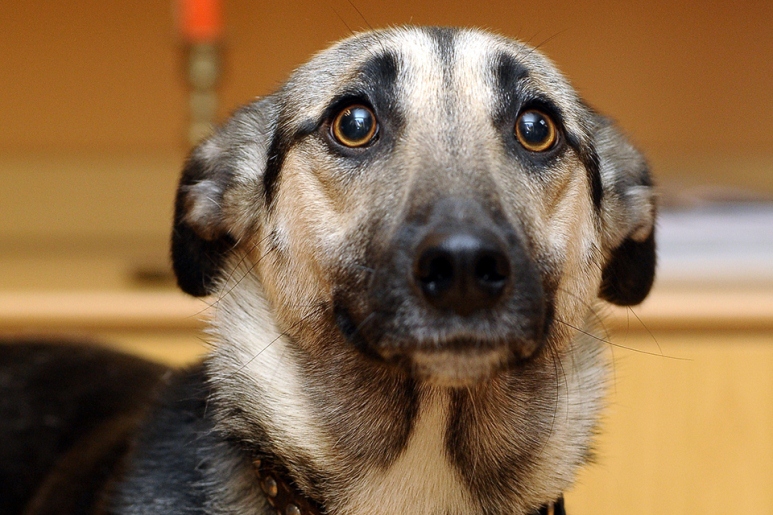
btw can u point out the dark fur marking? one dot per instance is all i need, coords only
(445, 39)
(473, 414)
(508, 76)
(593, 167)
(378, 76)
(281, 143)
(628, 276)
(383, 409)
(592, 163)
(277, 151)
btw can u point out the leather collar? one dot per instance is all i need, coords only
(285, 498)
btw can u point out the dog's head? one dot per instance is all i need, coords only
(437, 199)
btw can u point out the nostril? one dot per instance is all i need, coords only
(435, 272)
(491, 270)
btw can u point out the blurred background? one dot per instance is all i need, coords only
(95, 110)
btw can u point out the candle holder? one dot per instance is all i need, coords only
(201, 26)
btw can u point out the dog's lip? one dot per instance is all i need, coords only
(429, 345)
(393, 347)
(460, 347)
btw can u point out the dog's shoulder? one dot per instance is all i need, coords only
(165, 469)
(67, 411)
(86, 430)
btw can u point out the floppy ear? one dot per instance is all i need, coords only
(628, 275)
(220, 182)
(629, 211)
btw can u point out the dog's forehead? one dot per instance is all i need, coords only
(426, 64)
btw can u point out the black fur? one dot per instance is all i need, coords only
(171, 454)
(66, 413)
(591, 161)
(280, 145)
(197, 262)
(628, 276)
(508, 73)
(88, 431)
(379, 76)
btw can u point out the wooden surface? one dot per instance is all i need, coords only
(688, 432)
(101, 310)
(675, 309)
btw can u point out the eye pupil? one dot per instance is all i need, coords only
(354, 126)
(535, 131)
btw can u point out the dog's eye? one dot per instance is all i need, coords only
(535, 131)
(355, 126)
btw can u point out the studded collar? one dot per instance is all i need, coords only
(280, 493)
(285, 498)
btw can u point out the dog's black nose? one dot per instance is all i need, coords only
(461, 271)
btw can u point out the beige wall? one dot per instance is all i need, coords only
(688, 75)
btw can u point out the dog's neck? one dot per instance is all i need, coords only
(366, 441)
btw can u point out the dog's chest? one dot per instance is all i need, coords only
(421, 480)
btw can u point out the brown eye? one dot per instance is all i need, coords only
(355, 126)
(535, 131)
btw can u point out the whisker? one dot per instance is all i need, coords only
(618, 345)
(244, 275)
(630, 310)
(272, 342)
(554, 358)
(361, 16)
(241, 260)
(341, 19)
(599, 319)
(213, 303)
(548, 39)
(362, 324)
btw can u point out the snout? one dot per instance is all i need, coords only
(454, 296)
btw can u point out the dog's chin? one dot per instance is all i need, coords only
(457, 368)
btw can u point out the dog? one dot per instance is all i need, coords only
(405, 248)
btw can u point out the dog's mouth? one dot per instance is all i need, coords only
(442, 351)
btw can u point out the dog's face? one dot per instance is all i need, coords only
(425, 205)
(440, 200)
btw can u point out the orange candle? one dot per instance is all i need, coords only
(200, 21)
